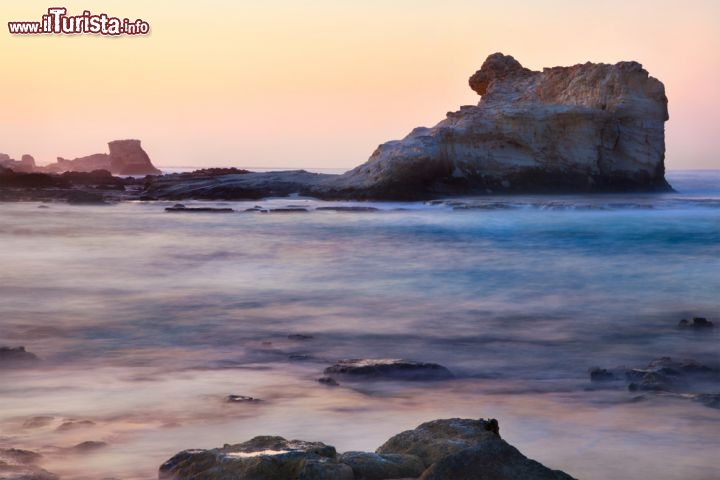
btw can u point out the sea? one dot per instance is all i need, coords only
(145, 321)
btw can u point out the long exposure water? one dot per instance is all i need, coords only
(144, 321)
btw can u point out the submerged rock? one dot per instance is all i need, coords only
(699, 323)
(16, 464)
(388, 369)
(685, 378)
(10, 356)
(453, 449)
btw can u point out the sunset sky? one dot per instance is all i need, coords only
(319, 84)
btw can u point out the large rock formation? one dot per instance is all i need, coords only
(126, 157)
(452, 449)
(585, 128)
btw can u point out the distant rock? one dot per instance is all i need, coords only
(126, 157)
(11, 356)
(26, 164)
(453, 449)
(388, 369)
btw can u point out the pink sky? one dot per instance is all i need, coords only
(319, 84)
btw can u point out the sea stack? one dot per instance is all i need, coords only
(585, 128)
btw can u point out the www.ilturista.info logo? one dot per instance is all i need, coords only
(59, 23)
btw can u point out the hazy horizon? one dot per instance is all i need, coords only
(320, 85)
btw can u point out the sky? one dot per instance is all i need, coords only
(321, 83)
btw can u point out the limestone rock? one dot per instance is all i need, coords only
(585, 128)
(128, 158)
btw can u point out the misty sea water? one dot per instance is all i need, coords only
(145, 320)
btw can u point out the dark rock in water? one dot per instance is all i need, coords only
(300, 336)
(388, 369)
(373, 466)
(18, 464)
(261, 458)
(711, 400)
(241, 399)
(82, 197)
(10, 179)
(697, 322)
(348, 209)
(288, 210)
(16, 355)
(38, 421)
(75, 424)
(598, 374)
(454, 449)
(329, 381)
(183, 208)
(687, 378)
(89, 446)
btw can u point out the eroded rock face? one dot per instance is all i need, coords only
(126, 157)
(452, 449)
(589, 127)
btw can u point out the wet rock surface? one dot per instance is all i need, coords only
(451, 449)
(387, 369)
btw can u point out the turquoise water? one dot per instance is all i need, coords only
(144, 320)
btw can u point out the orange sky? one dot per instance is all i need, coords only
(290, 83)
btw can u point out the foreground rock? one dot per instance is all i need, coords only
(387, 369)
(585, 128)
(18, 464)
(683, 378)
(453, 449)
